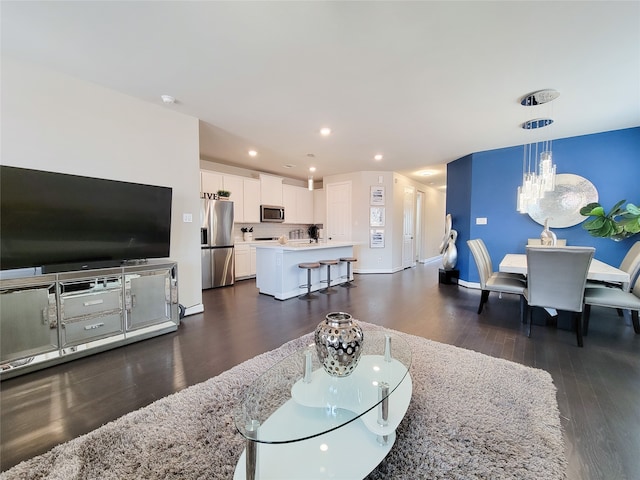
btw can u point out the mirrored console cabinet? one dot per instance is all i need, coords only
(53, 318)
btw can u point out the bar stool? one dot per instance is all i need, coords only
(328, 263)
(349, 282)
(308, 266)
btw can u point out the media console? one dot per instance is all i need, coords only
(53, 318)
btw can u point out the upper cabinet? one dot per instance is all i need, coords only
(270, 190)
(319, 207)
(245, 193)
(235, 185)
(251, 200)
(298, 204)
(210, 182)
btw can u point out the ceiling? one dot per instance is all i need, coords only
(422, 83)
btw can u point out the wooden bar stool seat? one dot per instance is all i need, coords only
(328, 288)
(349, 282)
(308, 266)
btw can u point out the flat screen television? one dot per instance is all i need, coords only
(68, 222)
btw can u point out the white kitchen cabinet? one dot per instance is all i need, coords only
(298, 204)
(235, 185)
(319, 207)
(304, 198)
(251, 200)
(289, 204)
(210, 182)
(270, 190)
(242, 261)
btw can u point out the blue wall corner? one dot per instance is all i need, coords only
(484, 184)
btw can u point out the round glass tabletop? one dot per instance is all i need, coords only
(281, 407)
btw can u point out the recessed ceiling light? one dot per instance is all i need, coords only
(252, 153)
(168, 99)
(426, 173)
(312, 169)
(378, 156)
(325, 131)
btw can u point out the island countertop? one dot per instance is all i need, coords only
(297, 246)
(278, 274)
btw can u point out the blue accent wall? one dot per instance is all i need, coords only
(459, 206)
(484, 184)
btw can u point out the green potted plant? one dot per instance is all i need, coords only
(620, 223)
(224, 194)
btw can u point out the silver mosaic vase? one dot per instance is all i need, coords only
(339, 341)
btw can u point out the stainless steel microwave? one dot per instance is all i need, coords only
(269, 213)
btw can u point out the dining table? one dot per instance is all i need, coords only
(598, 270)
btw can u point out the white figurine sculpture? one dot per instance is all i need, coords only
(448, 246)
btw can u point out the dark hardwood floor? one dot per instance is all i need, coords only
(598, 385)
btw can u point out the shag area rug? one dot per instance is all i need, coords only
(471, 416)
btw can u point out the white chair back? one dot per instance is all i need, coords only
(631, 262)
(556, 276)
(482, 259)
(560, 242)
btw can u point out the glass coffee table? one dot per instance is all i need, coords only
(300, 422)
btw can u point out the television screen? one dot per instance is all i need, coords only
(53, 219)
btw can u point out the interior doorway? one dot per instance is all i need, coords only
(419, 226)
(408, 228)
(338, 226)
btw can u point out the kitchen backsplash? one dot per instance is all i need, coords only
(265, 230)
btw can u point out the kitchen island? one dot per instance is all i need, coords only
(278, 274)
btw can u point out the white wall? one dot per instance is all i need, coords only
(389, 258)
(434, 216)
(57, 123)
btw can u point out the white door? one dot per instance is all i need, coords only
(338, 227)
(408, 259)
(419, 228)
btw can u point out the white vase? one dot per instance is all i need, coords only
(547, 237)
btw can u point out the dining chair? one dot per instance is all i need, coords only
(491, 281)
(613, 298)
(560, 242)
(630, 264)
(556, 278)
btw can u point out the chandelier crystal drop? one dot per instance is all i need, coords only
(538, 169)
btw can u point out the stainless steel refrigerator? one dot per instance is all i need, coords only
(216, 242)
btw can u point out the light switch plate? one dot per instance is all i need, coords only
(187, 218)
(481, 220)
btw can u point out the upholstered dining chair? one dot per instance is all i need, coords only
(613, 298)
(491, 281)
(560, 242)
(556, 278)
(630, 264)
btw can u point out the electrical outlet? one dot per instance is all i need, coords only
(481, 221)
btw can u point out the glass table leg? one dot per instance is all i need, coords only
(251, 454)
(383, 411)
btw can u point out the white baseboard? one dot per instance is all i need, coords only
(199, 308)
(474, 285)
(435, 259)
(375, 270)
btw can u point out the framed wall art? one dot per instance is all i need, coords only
(376, 216)
(377, 195)
(376, 239)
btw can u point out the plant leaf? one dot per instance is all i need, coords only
(616, 210)
(592, 209)
(632, 209)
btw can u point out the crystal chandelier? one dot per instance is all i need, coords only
(538, 169)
